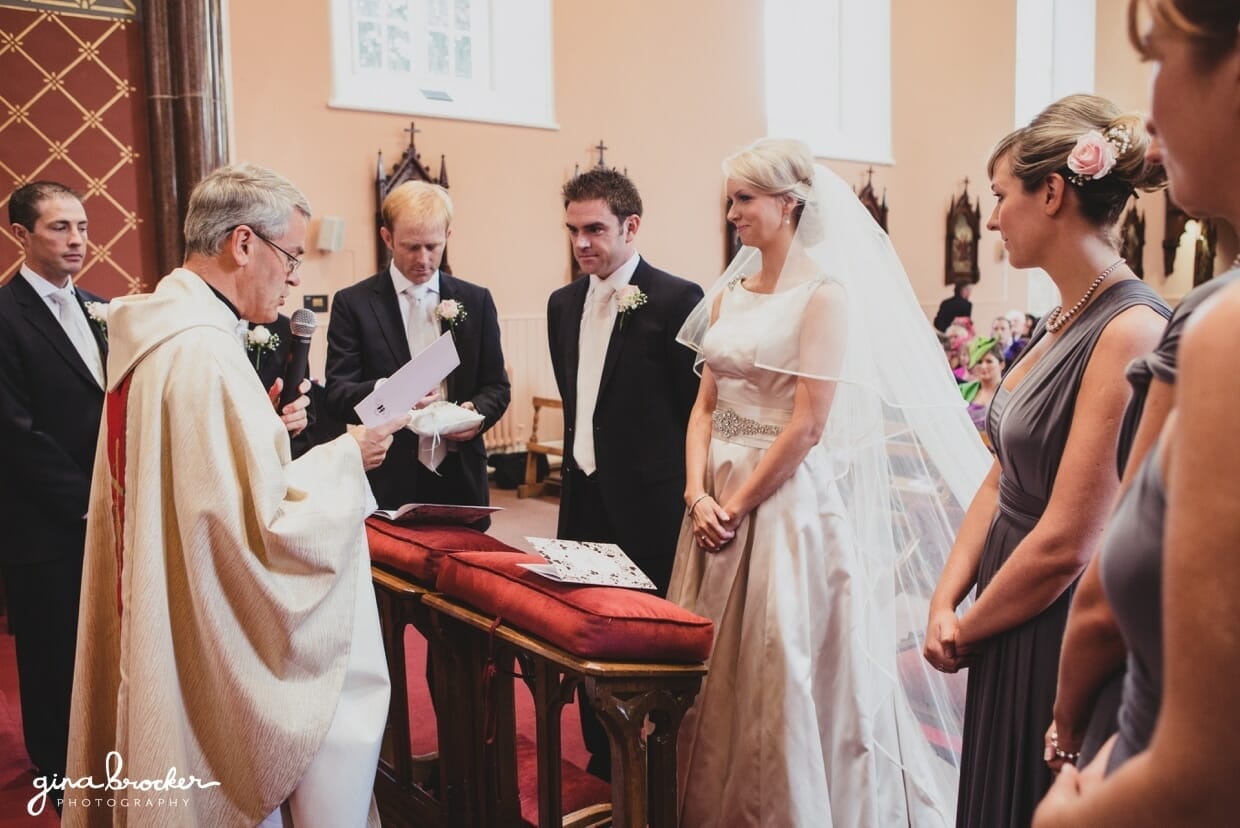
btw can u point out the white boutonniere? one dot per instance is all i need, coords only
(450, 311)
(259, 339)
(628, 299)
(98, 312)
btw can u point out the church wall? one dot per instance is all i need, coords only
(672, 88)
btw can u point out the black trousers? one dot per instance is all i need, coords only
(43, 614)
(586, 519)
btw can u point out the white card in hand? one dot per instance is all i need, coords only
(415, 379)
(582, 562)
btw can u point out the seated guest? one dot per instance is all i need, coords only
(380, 322)
(1001, 332)
(229, 632)
(986, 363)
(1017, 322)
(958, 353)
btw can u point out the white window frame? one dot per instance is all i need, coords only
(1055, 53)
(828, 76)
(513, 82)
(1055, 56)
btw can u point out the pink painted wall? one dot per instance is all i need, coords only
(672, 87)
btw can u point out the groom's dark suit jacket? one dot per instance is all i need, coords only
(50, 407)
(646, 391)
(366, 340)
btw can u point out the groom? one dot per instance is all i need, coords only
(627, 387)
(378, 323)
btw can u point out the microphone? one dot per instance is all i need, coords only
(302, 324)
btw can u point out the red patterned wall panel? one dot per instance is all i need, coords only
(73, 110)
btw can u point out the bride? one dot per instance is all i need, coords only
(829, 457)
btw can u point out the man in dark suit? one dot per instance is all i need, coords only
(52, 361)
(268, 347)
(379, 322)
(956, 305)
(627, 387)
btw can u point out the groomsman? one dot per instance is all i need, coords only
(267, 346)
(627, 387)
(379, 322)
(52, 361)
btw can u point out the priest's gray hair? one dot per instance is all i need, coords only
(240, 194)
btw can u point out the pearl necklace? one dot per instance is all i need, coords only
(1057, 320)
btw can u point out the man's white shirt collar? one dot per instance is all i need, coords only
(401, 282)
(42, 286)
(619, 278)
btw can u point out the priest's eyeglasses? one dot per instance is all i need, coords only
(291, 262)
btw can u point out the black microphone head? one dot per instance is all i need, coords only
(303, 322)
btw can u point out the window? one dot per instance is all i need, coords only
(487, 60)
(828, 76)
(1054, 52)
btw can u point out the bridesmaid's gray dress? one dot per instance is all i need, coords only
(1012, 683)
(1161, 364)
(1132, 563)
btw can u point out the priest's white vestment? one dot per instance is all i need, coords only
(228, 630)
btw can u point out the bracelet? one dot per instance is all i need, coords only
(1067, 756)
(696, 501)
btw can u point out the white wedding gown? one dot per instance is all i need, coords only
(797, 717)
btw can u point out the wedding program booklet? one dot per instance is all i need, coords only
(423, 513)
(581, 562)
(412, 382)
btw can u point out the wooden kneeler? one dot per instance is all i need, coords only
(637, 658)
(405, 562)
(477, 782)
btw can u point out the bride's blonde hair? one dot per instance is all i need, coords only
(775, 166)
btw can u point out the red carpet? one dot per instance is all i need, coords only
(16, 779)
(579, 788)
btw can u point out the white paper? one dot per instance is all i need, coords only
(582, 562)
(415, 379)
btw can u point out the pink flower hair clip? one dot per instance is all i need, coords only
(1095, 154)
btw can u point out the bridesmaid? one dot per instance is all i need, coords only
(1175, 534)
(1061, 184)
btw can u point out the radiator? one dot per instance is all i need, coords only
(524, 340)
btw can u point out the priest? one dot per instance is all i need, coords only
(229, 639)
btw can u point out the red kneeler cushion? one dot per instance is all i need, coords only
(587, 621)
(418, 550)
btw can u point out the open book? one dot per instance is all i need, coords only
(436, 513)
(580, 562)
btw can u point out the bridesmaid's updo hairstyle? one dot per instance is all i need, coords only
(1209, 25)
(776, 167)
(1084, 127)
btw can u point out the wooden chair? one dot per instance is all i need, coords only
(532, 487)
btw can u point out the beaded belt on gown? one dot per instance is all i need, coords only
(733, 423)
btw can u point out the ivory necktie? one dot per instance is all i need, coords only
(596, 325)
(422, 332)
(73, 320)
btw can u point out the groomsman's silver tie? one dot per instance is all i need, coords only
(596, 325)
(73, 320)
